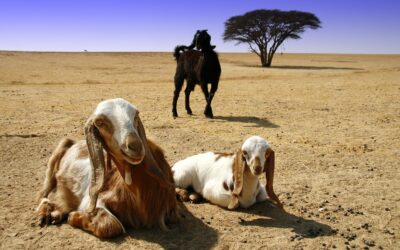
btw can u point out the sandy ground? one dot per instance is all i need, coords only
(333, 121)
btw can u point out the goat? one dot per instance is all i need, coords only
(197, 67)
(229, 180)
(131, 187)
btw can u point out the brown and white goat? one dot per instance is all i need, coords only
(131, 187)
(229, 180)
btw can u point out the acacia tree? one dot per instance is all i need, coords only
(265, 30)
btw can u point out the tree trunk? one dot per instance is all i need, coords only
(269, 57)
(264, 59)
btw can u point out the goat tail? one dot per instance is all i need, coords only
(178, 49)
(53, 166)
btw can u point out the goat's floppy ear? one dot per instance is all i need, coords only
(269, 169)
(239, 165)
(95, 147)
(151, 165)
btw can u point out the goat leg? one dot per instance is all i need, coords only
(187, 99)
(207, 111)
(100, 222)
(48, 214)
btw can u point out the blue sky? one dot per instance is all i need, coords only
(348, 26)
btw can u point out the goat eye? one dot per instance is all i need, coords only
(244, 153)
(99, 123)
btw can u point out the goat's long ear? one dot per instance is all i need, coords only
(269, 169)
(94, 143)
(239, 165)
(151, 164)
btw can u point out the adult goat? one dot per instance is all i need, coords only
(131, 187)
(197, 67)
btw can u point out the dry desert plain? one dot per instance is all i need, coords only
(333, 121)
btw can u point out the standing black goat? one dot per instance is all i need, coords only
(197, 67)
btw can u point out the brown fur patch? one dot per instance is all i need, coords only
(53, 166)
(104, 124)
(99, 222)
(147, 202)
(220, 155)
(269, 176)
(238, 169)
(83, 151)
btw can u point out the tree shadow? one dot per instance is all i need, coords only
(251, 120)
(314, 67)
(275, 217)
(190, 233)
(297, 67)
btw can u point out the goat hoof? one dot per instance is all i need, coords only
(182, 194)
(208, 112)
(44, 221)
(194, 197)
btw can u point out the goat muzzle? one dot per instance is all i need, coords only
(256, 166)
(133, 149)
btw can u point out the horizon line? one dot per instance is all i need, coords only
(231, 52)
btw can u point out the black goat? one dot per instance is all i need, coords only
(197, 67)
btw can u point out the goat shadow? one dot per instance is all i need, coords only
(190, 233)
(251, 120)
(272, 216)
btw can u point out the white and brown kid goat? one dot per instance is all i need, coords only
(229, 180)
(131, 187)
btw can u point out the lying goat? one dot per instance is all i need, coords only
(131, 187)
(229, 180)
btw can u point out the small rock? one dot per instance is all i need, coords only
(365, 226)
(369, 243)
(322, 209)
(387, 231)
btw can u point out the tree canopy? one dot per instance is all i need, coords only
(265, 30)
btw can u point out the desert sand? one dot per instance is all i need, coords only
(333, 121)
